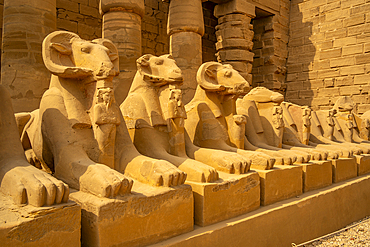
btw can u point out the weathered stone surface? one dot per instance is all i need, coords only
(30, 226)
(233, 195)
(280, 183)
(316, 209)
(316, 175)
(343, 169)
(146, 216)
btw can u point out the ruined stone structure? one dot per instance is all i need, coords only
(137, 119)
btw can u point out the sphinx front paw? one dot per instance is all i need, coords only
(103, 181)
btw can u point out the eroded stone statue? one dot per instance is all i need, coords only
(212, 118)
(79, 132)
(265, 125)
(23, 182)
(154, 108)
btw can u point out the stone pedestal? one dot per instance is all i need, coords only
(27, 226)
(295, 220)
(343, 169)
(230, 196)
(148, 215)
(316, 174)
(363, 164)
(279, 183)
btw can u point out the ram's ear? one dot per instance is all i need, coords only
(207, 76)
(113, 52)
(57, 55)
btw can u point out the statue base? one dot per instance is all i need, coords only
(279, 183)
(343, 169)
(316, 175)
(57, 225)
(363, 164)
(146, 216)
(230, 196)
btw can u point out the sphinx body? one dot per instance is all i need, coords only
(79, 132)
(212, 119)
(20, 180)
(154, 108)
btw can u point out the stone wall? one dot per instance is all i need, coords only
(154, 28)
(81, 17)
(271, 28)
(209, 38)
(329, 52)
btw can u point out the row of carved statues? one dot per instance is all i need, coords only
(81, 136)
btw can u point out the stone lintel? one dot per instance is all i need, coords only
(28, 226)
(344, 168)
(146, 216)
(279, 183)
(235, 7)
(230, 196)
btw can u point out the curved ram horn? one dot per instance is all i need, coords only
(57, 55)
(207, 79)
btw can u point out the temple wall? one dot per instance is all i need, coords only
(271, 28)
(329, 53)
(81, 17)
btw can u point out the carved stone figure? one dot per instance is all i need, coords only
(154, 108)
(20, 180)
(265, 126)
(212, 119)
(106, 120)
(79, 133)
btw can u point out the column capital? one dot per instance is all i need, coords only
(132, 6)
(235, 7)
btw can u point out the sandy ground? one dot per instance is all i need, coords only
(355, 234)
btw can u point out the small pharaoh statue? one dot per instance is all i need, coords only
(106, 120)
(277, 117)
(176, 117)
(306, 117)
(330, 120)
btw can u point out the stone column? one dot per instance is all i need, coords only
(234, 35)
(122, 25)
(25, 25)
(186, 28)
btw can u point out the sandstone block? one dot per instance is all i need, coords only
(279, 183)
(235, 55)
(231, 196)
(234, 43)
(317, 174)
(343, 169)
(363, 164)
(362, 79)
(57, 225)
(148, 215)
(342, 61)
(354, 20)
(362, 59)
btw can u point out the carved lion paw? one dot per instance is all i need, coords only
(103, 181)
(162, 173)
(27, 184)
(232, 163)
